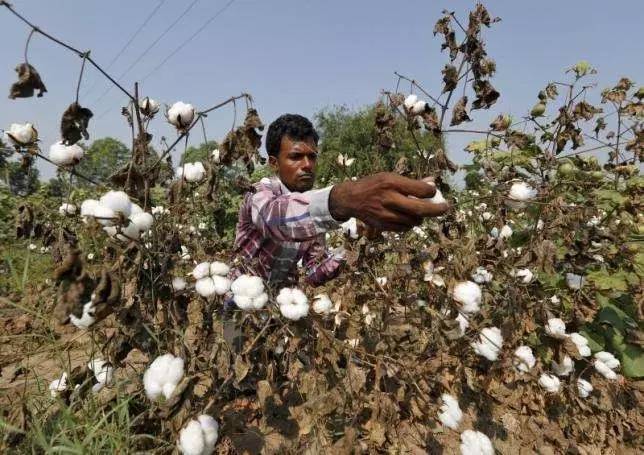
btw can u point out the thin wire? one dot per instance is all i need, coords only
(144, 53)
(127, 44)
(190, 38)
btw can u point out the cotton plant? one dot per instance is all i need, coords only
(469, 295)
(451, 414)
(249, 292)
(65, 155)
(322, 304)
(549, 382)
(120, 217)
(211, 278)
(292, 303)
(475, 443)
(103, 373)
(180, 115)
(524, 359)
(415, 106)
(162, 376)
(489, 343)
(148, 107)
(605, 363)
(21, 134)
(199, 436)
(191, 172)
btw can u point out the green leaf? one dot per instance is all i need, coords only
(632, 361)
(617, 318)
(596, 342)
(604, 280)
(612, 196)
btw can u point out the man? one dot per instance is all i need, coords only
(284, 219)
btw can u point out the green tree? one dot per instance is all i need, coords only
(352, 133)
(102, 158)
(22, 182)
(199, 153)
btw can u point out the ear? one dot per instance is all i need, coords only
(272, 162)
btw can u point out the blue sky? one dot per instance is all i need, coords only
(301, 56)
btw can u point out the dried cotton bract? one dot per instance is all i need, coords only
(451, 413)
(489, 344)
(199, 436)
(549, 382)
(248, 292)
(475, 443)
(162, 376)
(65, 155)
(21, 134)
(469, 295)
(293, 303)
(180, 115)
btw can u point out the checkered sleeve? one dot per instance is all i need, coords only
(321, 266)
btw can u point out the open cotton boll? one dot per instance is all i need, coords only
(506, 232)
(475, 443)
(350, 228)
(178, 283)
(481, 275)
(248, 285)
(574, 281)
(104, 215)
(210, 429)
(202, 270)
(582, 344)
(419, 107)
(463, 324)
(489, 344)
(608, 358)
(58, 385)
(584, 388)
(322, 304)
(205, 287)
(525, 275)
(216, 156)
(191, 439)
(451, 413)
(142, 221)
(524, 359)
(219, 268)
(88, 206)
(437, 198)
(180, 114)
(117, 201)
(67, 209)
(556, 328)
(469, 295)
(410, 101)
(103, 372)
(148, 106)
(86, 319)
(604, 370)
(549, 382)
(521, 191)
(293, 303)
(162, 376)
(65, 155)
(21, 134)
(564, 368)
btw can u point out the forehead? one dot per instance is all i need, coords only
(303, 146)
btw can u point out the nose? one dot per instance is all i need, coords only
(307, 164)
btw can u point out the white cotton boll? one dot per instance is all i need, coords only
(135, 208)
(322, 304)
(293, 303)
(191, 439)
(243, 301)
(202, 270)
(381, 280)
(608, 358)
(67, 209)
(410, 101)
(437, 198)
(604, 370)
(451, 413)
(489, 343)
(58, 385)
(162, 376)
(210, 429)
(216, 156)
(219, 268)
(129, 232)
(103, 371)
(88, 206)
(117, 201)
(148, 106)
(584, 388)
(159, 210)
(564, 368)
(350, 228)
(475, 443)
(521, 191)
(221, 284)
(556, 328)
(463, 324)
(582, 344)
(167, 389)
(192, 172)
(481, 275)
(205, 287)
(419, 107)
(247, 285)
(65, 155)
(21, 134)
(86, 319)
(494, 232)
(178, 283)
(506, 232)
(143, 221)
(180, 114)
(549, 382)
(524, 359)
(525, 275)
(574, 281)
(469, 295)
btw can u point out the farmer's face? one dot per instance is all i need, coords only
(295, 163)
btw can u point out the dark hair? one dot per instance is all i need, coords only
(294, 126)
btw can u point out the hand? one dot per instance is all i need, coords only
(382, 201)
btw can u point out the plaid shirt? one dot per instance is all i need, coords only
(277, 229)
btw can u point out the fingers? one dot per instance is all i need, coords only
(418, 208)
(412, 187)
